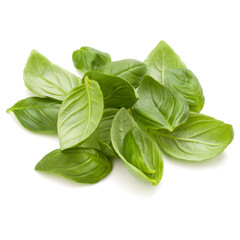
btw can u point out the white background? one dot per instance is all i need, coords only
(193, 200)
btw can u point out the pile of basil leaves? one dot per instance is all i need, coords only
(124, 109)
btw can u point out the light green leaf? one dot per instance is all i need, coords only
(186, 83)
(133, 152)
(80, 114)
(158, 107)
(200, 138)
(121, 125)
(103, 131)
(161, 58)
(129, 69)
(83, 165)
(117, 92)
(47, 79)
(37, 114)
(89, 59)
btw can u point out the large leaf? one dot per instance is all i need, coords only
(186, 83)
(103, 131)
(80, 114)
(89, 59)
(83, 165)
(158, 107)
(116, 91)
(161, 58)
(200, 138)
(37, 114)
(47, 79)
(129, 69)
(121, 125)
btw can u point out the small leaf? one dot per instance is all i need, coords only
(158, 107)
(161, 58)
(80, 114)
(83, 165)
(47, 79)
(37, 114)
(200, 138)
(89, 59)
(129, 69)
(186, 83)
(121, 125)
(117, 92)
(103, 131)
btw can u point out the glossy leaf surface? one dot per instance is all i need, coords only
(103, 131)
(161, 58)
(186, 83)
(122, 124)
(89, 59)
(83, 165)
(200, 138)
(47, 79)
(116, 91)
(80, 114)
(158, 107)
(37, 114)
(129, 69)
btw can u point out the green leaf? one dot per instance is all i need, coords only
(158, 107)
(186, 83)
(89, 59)
(117, 92)
(103, 132)
(37, 114)
(83, 165)
(47, 79)
(134, 152)
(129, 69)
(80, 114)
(121, 125)
(161, 58)
(200, 138)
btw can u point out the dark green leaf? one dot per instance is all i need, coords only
(158, 107)
(129, 69)
(37, 114)
(161, 58)
(117, 92)
(89, 59)
(47, 79)
(80, 114)
(121, 125)
(200, 138)
(83, 165)
(186, 83)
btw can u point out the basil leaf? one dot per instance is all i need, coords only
(89, 59)
(129, 69)
(161, 58)
(117, 92)
(80, 114)
(186, 83)
(121, 125)
(47, 79)
(83, 165)
(133, 151)
(158, 107)
(200, 138)
(103, 132)
(37, 114)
